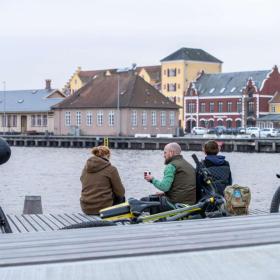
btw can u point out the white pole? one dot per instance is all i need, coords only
(118, 107)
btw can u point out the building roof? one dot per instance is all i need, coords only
(153, 71)
(85, 76)
(191, 54)
(270, 117)
(38, 100)
(101, 92)
(275, 98)
(221, 84)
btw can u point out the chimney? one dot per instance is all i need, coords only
(48, 85)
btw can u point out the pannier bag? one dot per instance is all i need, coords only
(237, 199)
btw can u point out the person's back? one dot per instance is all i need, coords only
(183, 188)
(217, 166)
(101, 184)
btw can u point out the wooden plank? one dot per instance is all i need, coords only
(44, 224)
(13, 225)
(17, 223)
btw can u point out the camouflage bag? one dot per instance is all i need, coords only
(237, 199)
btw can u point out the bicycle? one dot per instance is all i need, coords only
(275, 202)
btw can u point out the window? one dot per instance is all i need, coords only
(45, 120)
(273, 108)
(163, 118)
(39, 120)
(179, 71)
(14, 120)
(99, 118)
(178, 86)
(144, 118)
(233, 89)
(78, 118)
(154, 118)
(229, 123)
(33, 120)
(211, 123)
(134, 118)
(251, 107)
(229, 106)
(212, 90)
(202, 107)
(164, 72)
(89, 119)
(172, 118)
(9, 120)
(171, 87)
(171, 72)
(67, 118)
(220, 107)
(111, 118)
(238, 123)
(191, 107)
(212, 107)
(239, 106)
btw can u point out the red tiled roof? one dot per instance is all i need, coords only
(101, 92)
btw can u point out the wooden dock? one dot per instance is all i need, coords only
(188, 144)
(242, 247)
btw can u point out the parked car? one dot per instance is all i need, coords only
(268, 132)
(199, 130)
(220, 129)
(241, 130)
(253, 131)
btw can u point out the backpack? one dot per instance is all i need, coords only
(237, 199)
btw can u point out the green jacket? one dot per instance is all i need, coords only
(179, 181)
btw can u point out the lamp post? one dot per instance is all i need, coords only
(119, 71)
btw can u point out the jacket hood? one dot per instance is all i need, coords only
(95, 164)
(217, 160)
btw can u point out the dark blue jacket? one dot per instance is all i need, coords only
(220, 171)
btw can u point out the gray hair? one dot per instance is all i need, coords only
(173, 147)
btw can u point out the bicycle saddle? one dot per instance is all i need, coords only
(138, 206)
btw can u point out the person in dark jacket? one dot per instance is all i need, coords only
(218, 167)
(178, 184)
(101, 183)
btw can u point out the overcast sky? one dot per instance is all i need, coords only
(42, 39)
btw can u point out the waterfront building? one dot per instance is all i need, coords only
(150, 74)
(272, 120)
(180, 68)
(118, 104)
(28, 111)
(232, 100)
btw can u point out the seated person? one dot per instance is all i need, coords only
(217, 166)
(178, 184)
(101, 183)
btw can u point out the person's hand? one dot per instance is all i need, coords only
(149, 178)
(160, 193)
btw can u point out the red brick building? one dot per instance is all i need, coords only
(235, 99)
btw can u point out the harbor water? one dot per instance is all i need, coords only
(54, 174)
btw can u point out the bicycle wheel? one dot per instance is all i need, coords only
(275, 202)
(91, 224)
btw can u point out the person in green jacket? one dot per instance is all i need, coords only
(179, 181)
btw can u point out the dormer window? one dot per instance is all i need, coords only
(212, 90)
(233, 89)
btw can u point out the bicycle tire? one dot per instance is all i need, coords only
(275, 202)
(90, 224)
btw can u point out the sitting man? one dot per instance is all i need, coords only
(178, 184)
(217, 166)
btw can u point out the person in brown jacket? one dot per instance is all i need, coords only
(101, 183)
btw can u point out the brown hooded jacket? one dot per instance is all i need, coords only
(100, 181)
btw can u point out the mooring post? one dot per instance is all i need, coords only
(32, 204)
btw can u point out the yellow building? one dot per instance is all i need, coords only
(274, 104)
(182, 67)
(80, 78)
(151, 74)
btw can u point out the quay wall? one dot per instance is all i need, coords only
(271, 145)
